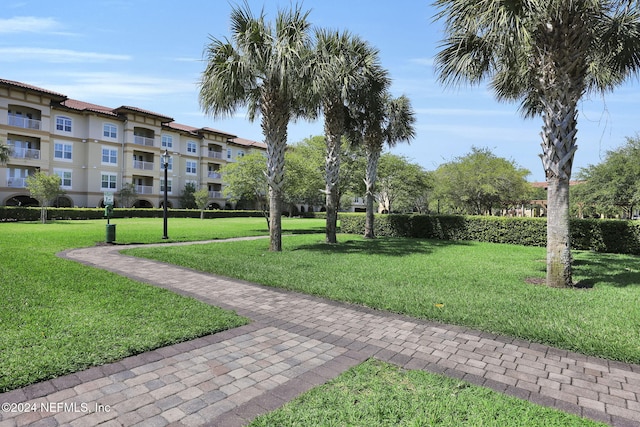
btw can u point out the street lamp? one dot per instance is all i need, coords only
(165, 163)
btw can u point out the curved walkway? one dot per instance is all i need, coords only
(294, 343)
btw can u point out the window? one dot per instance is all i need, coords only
(109, 131)
(109, 156)
(65, 177)
(108, 181)
(62, 151)
(168, 185)
(191, 167)
(240, 153)
(192, 147)
(63, 123)
(228, 153)
(167, 141)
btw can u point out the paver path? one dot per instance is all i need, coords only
(294, 343)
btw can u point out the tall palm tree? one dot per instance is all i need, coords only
(264, 67)
(379, 119)
(546, 54)
(342, 64)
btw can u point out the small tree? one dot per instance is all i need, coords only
(5, 152)
(187, 199)
(201, 199)
(247, 179)
(44, 188)
(127, 194)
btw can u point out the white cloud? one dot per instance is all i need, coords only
(124, 88)
(15, 54)
(28, 24)
(422, 61)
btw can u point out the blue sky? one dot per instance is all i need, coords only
(148, 54)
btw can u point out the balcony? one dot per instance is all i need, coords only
(25, 153)
(139, 164)
(17, 182)
(143, 140)
(144, 189)
(215, 194)
(214, 154)
(214, 175)
(24, 122)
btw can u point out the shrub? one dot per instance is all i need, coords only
(613, 236)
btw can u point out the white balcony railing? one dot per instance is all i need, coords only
(214, 175)
(17, 182)
(139, 164)
(143, 140)
(24, 122)
(215, 194)
(144, 189)
(215, 154)
(25, 153)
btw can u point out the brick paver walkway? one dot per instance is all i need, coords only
(294, 343)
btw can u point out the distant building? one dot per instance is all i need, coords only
(96, 149)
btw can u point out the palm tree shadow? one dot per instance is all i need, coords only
(612, 269)
(383, 246)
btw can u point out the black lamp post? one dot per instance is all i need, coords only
(165, 163)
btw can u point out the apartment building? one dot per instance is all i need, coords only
(96, 149)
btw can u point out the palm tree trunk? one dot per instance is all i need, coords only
(274, 127)
(334, 121)
(373, 156)
(558, 237)
(558, 145)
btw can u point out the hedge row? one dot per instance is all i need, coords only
(612, 236)
(11, 213)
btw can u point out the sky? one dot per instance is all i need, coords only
(149, 54)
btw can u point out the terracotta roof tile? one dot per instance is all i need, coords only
(128, 109)
(248, 143)
(30, 87)
(74, 104)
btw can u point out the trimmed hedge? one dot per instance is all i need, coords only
(612, 236)
(11, 213)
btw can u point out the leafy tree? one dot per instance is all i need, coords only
(44, 188)
(127, 194)
(5, 153)
(265, 68)
(187, 198)
(304, 174)
(246, 179)
(480, 181)
(201, 199)
(614, 184)
(342, 65)
(546, 54)
(402, 184)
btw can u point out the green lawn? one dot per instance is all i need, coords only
(57, 316)
(481, 285)
(379, 394)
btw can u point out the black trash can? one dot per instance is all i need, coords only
(111, 233)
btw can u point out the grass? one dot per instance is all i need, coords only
(379, 394)
(58, 316)
(480, 285)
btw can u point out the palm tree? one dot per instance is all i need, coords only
(378, 120)
(264, 67)
(342, 64)
(546, 54)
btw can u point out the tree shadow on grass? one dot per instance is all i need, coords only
(611, 269)
(383, 246)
